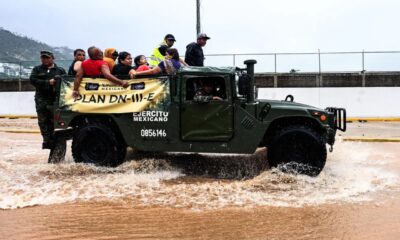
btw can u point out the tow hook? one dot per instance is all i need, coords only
(331, 148)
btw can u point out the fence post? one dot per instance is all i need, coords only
(319, 61)
(275, 62)
(234, 60)
(20, 77)
(363, 59)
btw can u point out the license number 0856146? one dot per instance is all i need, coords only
(153, 133)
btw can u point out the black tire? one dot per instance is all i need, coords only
(57, 152)
(297, 149)
(98, 144)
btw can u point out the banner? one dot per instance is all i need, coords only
(99, 95)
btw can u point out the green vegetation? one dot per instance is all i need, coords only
(17, 48)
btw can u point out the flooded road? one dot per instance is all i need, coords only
(357, 196)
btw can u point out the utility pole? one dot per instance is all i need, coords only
(198, 26)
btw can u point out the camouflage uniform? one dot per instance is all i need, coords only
(202, 96)
(45, 97)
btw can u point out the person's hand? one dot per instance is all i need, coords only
(217, 98)
(52, 81)
(125, 84)
(132, 74)
(75, 94)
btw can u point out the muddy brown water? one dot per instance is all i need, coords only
(189, 196)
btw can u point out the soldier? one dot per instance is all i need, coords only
(44, 78)
(206, 93)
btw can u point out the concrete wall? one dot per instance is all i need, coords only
(359, 101)
(19, 103)
(280, 80)
(352, 79)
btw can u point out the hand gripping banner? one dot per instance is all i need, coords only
(98, 95)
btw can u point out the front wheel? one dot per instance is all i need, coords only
(298, 149)
(98, 144)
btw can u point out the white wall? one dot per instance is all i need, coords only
(18, 103)
(359, 102)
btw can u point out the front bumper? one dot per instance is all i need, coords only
(339, 118)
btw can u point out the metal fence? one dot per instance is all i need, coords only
(267, 62)
(314, 61)
(22, 69)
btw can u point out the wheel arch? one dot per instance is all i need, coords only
(283, 122)
(86, 119)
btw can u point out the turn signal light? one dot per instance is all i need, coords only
(323, 117)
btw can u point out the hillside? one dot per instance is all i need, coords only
(16, 48)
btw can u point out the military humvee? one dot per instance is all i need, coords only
(170, 120)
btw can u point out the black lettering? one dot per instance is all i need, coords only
(92, 99)
(84, 99)
(78, 98)
(150, 98)
(122, 98)
(113, 98)
(102, 99)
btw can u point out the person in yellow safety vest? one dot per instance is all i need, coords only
(157, 56)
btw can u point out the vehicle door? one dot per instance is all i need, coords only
(206, 121)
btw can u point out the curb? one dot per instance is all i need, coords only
(17, 116)
(19, 131)
(394, 119)
(366, 139)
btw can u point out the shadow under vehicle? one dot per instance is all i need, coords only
(295, 135)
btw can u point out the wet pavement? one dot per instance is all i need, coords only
(191, 196)
(372, 130)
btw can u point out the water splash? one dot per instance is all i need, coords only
(192, 181)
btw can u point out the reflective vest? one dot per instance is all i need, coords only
(157, 57)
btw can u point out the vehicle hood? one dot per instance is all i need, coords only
(282, 104)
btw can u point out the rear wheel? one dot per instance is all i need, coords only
(98, 144)
(298, 149)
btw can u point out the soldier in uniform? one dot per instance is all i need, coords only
(206, 93)
(44, 78)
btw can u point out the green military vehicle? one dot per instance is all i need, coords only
(169, 119)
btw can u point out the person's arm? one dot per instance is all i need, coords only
(200, 97)
(152, 71)
(40, 84)
(197, 56)
(105, 70)
(189, 55)
(183, 62)
(77, 66)
(132, 73)
(77, 83)
(217, 98)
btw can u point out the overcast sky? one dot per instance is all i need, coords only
(251, 26)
